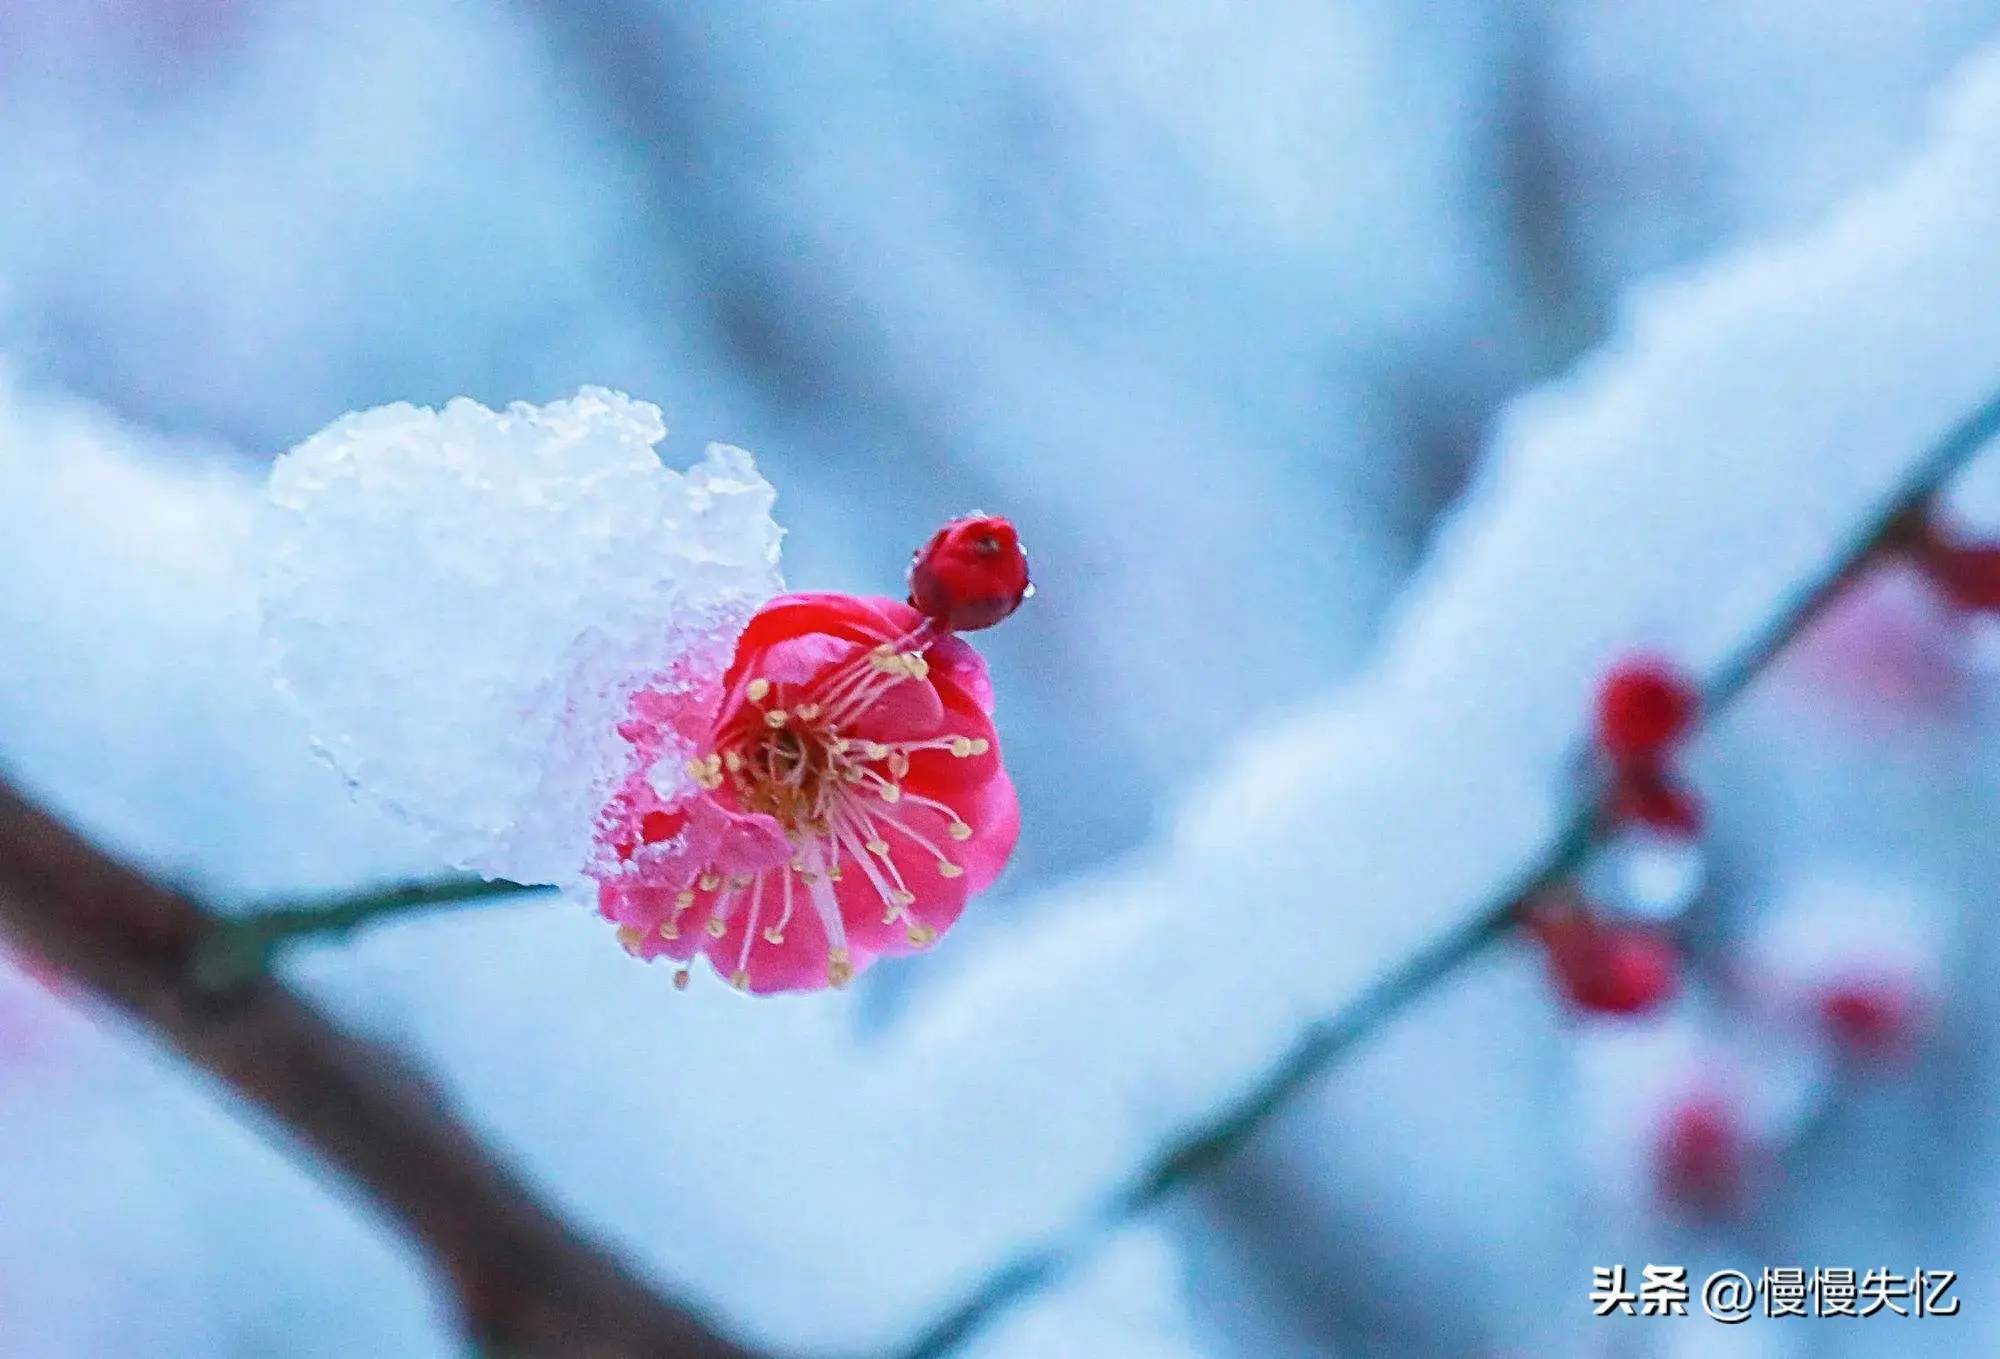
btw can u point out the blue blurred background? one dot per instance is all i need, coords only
(1217, 302)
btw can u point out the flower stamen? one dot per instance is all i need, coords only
(946, 868)
(786, 753)
(776, 933)
(740, 979)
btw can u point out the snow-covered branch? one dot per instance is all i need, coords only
(1748, 431)
(1679, 492)
(1325, 1042)
(523, 1280)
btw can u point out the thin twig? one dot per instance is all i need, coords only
(1201, 1148)
(237, 948)
(524, 1282)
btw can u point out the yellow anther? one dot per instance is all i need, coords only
(697, 769)
(839, 971)
(709, 882)
(903, 897)
(833, 873)
(759, 689)
(948, 869)
(915, 666)
(980, 745)
(806, 712)
(961, 746)
(899, 763)
(922, 936)
(877, 751)
(670, 930)
(879, 848)
(740, 979)
(733, 760)
(684, 900)
(773, 935)
(891, 793)
(775, 718)
(892, 915)
(630, 937)
(716, 927)
(958, 830)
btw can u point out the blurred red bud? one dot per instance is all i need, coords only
(1606, 967)
(1871, 1019)
(1702, 1158)
(1644, 705)
(1651, 798)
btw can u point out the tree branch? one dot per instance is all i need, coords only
(1200, 1148)
(235, 949)
(227, 952)
(524, 1281)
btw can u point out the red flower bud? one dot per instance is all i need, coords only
(1644, 705)
(971, 574)
(1871, 1020)
(1647, 797)
(1606, 967)
(1703, 1158)
(1968, 576)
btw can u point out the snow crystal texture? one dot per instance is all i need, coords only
(463, 600)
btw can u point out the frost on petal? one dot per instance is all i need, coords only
(464, 602)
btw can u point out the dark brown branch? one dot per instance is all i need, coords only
(524, 1281)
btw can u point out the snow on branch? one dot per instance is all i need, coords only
(522, 1280)
(1686, 486)
(139, 707)
(1681, 489)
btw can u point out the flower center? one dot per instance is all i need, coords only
(787, 775)
(807, 777)
(837, 798)
(787, 759)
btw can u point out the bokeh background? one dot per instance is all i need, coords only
(1222, 304)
